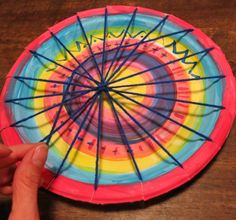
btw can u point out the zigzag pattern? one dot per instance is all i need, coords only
(93, 39)
(185, 53)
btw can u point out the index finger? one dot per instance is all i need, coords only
(17, 154)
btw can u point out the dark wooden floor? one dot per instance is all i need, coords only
(212, 194)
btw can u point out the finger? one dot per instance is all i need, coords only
(20, 150)
(6, 190)
(7, 161)
(26, 182)
(4, 151)
(6, 175)
(17, 153)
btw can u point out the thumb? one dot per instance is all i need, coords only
(26, 182)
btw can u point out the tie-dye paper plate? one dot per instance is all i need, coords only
(132, 103)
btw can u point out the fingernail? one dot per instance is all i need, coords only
(40, 155)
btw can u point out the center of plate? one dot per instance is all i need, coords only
(136, 88)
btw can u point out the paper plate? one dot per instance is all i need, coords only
(132, 103)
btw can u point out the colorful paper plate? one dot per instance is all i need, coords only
(132, 102)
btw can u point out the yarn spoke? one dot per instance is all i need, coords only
(73, 142)
(123, 136)
(164, 116)
(148, 133)
(23, 78)
(185, 31)
(168, 81)
(172, 99)
(58, 64)
(47, 109)
(99, 129)
(161, 65)
(121, 43)
(45, 96)
(104, 43)
(60, 106)
(73, 117)
(60, 42)
(89, 46)
(136, 47)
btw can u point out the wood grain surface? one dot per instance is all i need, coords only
(212, 194)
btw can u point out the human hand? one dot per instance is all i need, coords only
(23, 180)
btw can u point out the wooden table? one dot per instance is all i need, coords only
(212, 194)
